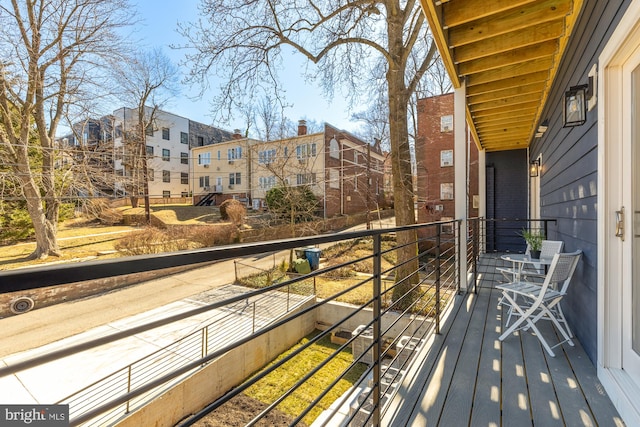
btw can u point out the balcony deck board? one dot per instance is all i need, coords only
(467, 377)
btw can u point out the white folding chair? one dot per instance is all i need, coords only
(532, 302)
(547, 251)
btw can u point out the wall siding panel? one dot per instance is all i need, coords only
(570, 166)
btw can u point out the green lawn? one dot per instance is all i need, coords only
(282, 379)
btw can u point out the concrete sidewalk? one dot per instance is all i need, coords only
(140, 358)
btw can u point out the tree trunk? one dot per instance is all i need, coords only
(407, 252)
(45, 228)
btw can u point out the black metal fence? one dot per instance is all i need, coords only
(401, 301)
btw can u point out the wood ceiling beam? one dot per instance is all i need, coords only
(504, 102)
(493, 126)
(505, 143)
(528, 53)
(511, 92)
(506, 42)
(518, 115)
(515, 132)
(505, 109)
(516, 70)
(508, 146)
(508, 21)
(455, 15)
(525, 79)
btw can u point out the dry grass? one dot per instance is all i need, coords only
(80, 239)
(184, 214)
(76, 243)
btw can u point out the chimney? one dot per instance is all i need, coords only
(302, 127)
(236, 134)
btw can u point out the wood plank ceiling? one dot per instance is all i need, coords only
(508, 52)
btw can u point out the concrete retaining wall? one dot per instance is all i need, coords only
(231, 369)
(331, 313)
(220, 376)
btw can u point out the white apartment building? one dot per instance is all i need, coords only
(168, 142)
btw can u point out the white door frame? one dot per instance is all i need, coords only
(611, 134)
(534, 190)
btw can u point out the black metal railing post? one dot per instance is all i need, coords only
(437, 268)
(377, 327)
(475, 227)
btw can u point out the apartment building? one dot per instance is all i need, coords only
(344, 172)
(435, 165)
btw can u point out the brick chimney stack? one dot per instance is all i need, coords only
(237, 134)
(302, 127)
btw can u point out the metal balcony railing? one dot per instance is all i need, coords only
(402, 298)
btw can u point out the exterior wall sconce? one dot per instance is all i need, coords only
(575, 108)
(534, 168)
(542, 129)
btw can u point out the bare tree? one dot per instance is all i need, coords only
(148, 80)
(52, 54)
(350, 42)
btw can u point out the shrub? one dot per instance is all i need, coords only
(234, 211)
(101, 210)
(211, 235)
(151, 241)
(16, 224)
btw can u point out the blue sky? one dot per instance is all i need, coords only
(158, 25)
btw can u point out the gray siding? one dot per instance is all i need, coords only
(570, 167)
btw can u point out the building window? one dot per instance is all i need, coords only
(218, 154)
(166, 154)
(204, 159)
(165, 134)
(149, 150)
(447, 228)
(234, 178)
(120, 172)
(267, 182)
(184, 178)
(334, 178)
(446, 191)
(184, 158)
(306, 179)
(266, 157)
(200, 141)
(446, 123)
(305, 151)
(151, 174)
(149, 129)
(184, 138)
(334, 149)
(166, 176)
(166, 194)
(446, 158)
(184, 194)
(234, 153)
(204, 181)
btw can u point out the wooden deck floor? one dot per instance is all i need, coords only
(466, 377)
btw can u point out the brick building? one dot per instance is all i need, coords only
(435, 161)
(344, 172)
